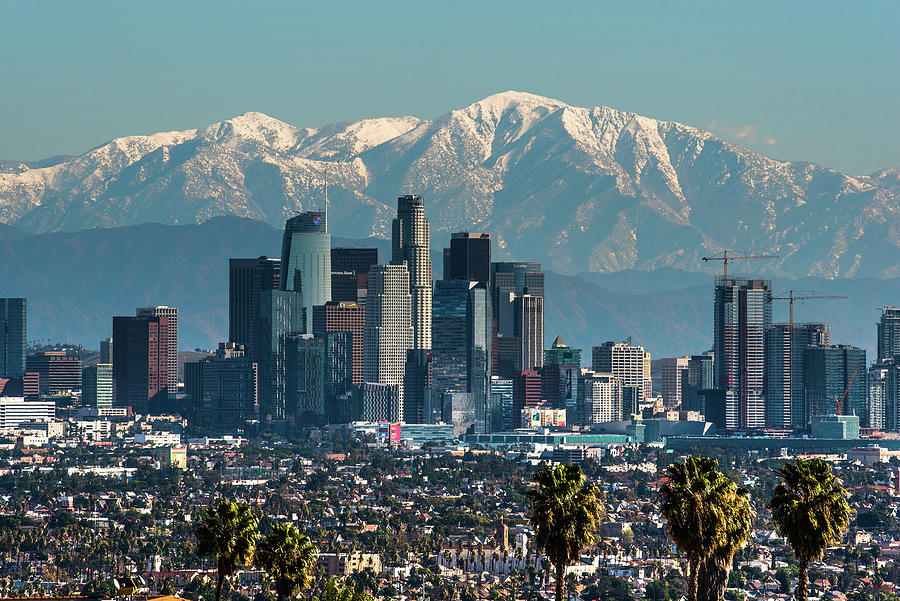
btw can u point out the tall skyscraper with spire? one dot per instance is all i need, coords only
(306, 261)
(411, 245)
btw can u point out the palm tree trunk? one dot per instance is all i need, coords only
(713, 577)
(220, 580)
(560, 573)
(693, 566)
(803, 580)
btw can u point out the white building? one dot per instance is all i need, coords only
(15, 410)
(389, 330)
(599, 397)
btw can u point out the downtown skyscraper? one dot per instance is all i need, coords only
(410, 245)
(13, 318)
(171, 341)
(742, 313)
(306, 261)
(784, 389)
(388, 336)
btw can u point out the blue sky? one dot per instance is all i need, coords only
(816, 81)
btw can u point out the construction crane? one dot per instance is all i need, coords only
(840, 403)
(726, 257)
(790, 297)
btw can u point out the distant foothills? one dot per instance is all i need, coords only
(579, 189)
(75, 280)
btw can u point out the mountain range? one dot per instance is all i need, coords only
(594, 190)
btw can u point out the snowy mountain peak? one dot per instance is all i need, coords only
(581, 189)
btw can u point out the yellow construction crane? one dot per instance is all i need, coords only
(729, 256)
(790, 297)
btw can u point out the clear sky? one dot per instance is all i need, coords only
(816, 81)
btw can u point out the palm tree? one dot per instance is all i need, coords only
(810, 511)
(734, 515)
(289, 557)
(227, 532)
(689, 506)
(565, 511)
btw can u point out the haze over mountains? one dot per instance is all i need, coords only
(618, 207)
(76, 282)
(580, 189)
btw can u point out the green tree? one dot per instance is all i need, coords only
(227, 532)
(288, 557)
(691, 508)
(565, 512)
(810, 511)
(734, 515)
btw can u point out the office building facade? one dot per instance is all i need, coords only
(248, 279)
(171, 341)
(344, 316)
(281, 314)
(388, 333)
(785, 348)
(410, 245)
(742, 313)
(306, 261)
(529, 330)
(13, 334)
(627, 362)
(469, 258)
(829, 372)
(141, 362)
(599, 398)
(350, 272)
(671, 372)
(58, 371)
(889, 333)
(224, 388)
(97, 385)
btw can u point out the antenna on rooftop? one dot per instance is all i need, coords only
(326, 197)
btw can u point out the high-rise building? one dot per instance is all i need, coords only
(281, 314)
(224, 388)
(599, 398)
(517, 279)
(743, 312)
(410, 245)
(418, 406)
(785, 348)
(559, 375)
(700, 375)
(507, 357)
(106, 351)
(381, 402)
(344, 316)
(829, 371)
(306, 261)
(13, 331)
(350, 272)
(502, 402)
(448, 344)
(58, 370)
(171, 340)
(248, 279)
(882, 400)
(141, 362)
(97, 385)
(529, 329)
(629, 364)
(671, 371)
(304, 377)
(469, 258)
(889, 333)
(526, 393)
(388, 333)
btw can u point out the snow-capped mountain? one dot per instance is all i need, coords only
(582, 189)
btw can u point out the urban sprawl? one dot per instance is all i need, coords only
(367, 431)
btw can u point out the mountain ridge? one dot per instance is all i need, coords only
(580, 189)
